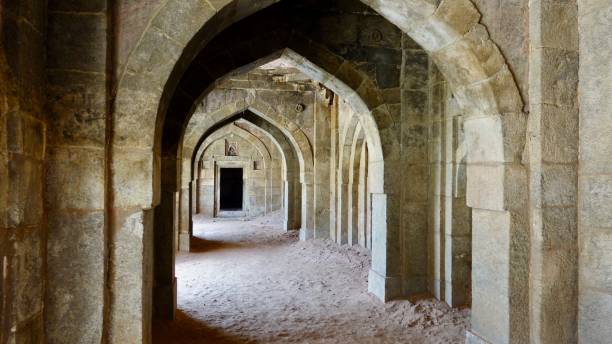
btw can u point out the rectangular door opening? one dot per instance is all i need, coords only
(230, 186)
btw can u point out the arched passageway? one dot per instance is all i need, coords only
(478, 170)
(483, 91)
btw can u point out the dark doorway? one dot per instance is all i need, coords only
(230, 189)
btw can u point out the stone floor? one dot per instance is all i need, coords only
(249, 282)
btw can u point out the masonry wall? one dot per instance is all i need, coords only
(78, 103)
(61, 150)
(23, 139)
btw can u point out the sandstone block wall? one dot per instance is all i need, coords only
(23, 150)
(595, 172)
(80, 170)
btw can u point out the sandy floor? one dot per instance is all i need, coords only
(249, 282)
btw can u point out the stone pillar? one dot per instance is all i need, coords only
(23, 136)
(411, 181)
(356, 216)
(207, 190)
(322, 145)
(193, 201)
(269, 182)
(457, 217)
(383, 279)
(307, 229)
(497, 193)
(343, 212)
(277, 182)
(362, 200)
(368, 210)
(595, 173)
(353, 185)
(347, 128)
(553, 157)
(165, 244)
(78, 255)
(333, 168)
(294, 201)
(435, 232)
(184, 219)
(287, 225)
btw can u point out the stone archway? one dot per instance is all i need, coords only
(287, 160)
(230, 132)
(480, 81)
(279, 199)
(300, 144)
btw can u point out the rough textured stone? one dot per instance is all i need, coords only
(87, 113)
(75, 300)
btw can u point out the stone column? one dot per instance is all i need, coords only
(413, 175)
(595, 173)
(184, 205)
(287, 225)
(23, 136)
(270, 183)
(77, 265)
(333, 168)
(322, 145)
(383, 279)
(343, 212)
(457, 217)
(207, 190)
(353, 185)
(184, 219)
(497, 193)
(356, 216)
(294, 201)
(362, 200)
(553, 156)
(166, 243)
(307, 229)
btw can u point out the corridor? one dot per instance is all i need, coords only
(252, 282)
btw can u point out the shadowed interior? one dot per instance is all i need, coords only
(231, 189)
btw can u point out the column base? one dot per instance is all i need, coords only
(306, 234)
(184, 244)
(471, 338)
(384, 288)
(165, 301)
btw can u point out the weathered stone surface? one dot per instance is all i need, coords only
(192, 14)
(559, 185)
(75, 178)
(490, 294)
(595, 299)
(132, 175)
(595, 208)
(24, 200)
(78, 103)
(22, 171)
(76, 265)
(594, 315)
(461, 15)
(367, 53)
(131, 269)
(84, 51)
